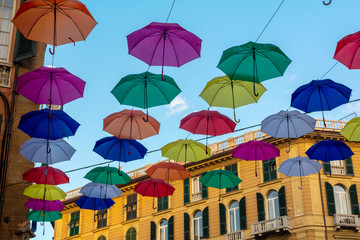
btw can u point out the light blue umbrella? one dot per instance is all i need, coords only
(100, 190)
(300, 167)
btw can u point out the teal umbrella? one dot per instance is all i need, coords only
(145, 90)
(43, 216)
(253, 62)
(107, 175)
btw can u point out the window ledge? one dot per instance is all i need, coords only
(162, 212)
(100, 229)
(196, 203)
(231, 193)
(269, 182)
(131, 220)
(73, 237)
(339, 176)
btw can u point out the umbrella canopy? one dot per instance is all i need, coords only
(47, 85)
(85, 202)
(37, 150)
(41, 216)
(44, 205)
(329, 150)
(347, 51)
(145, 90)
(129, 124)
(107, 175)
(39, 124)
(225, 92)
(220, 179)
(352, 130)
(256, 150)
(253, 62)
(99, 190)
(154, 188)
(44, 192)
(168, 171)
(46, 175)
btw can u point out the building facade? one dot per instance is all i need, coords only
(266, 204)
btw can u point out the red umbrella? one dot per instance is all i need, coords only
(168, 171)
(347, 51)
(46, 175)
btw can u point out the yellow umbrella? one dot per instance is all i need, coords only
(352, 130)
(51, 192)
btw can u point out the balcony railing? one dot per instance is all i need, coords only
(239, 235)
(196, 197)
(5, 76)
(338, 170)
(345, 220)
(272, 225)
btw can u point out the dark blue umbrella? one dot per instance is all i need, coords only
(329, 150)
(85, 202)
(39, 124)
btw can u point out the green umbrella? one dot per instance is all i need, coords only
(43, 216)
(253, 62)
(107, 175)
(145, 90)
(225, 92)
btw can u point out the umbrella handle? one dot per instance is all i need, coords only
(120, 173)
(72, 40)
(300, 183)
(53, 51)
(327, 3)
(287, 151)
(236, 120)
(154, 204)
(162, 74)
(255, 93)
(147, 117)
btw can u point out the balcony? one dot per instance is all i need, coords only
(346, 220)
(196, 197)
(272, 225)
(5, 76)
(338, 170)
(239, 235)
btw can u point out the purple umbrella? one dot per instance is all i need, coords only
(164, 44)
(47, 85)
(44, 205)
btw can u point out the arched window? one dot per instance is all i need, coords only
(234, 215)
(273, 205)
(164, 230)
(131, 234)
(102, 237)
(198, 225)
(341, 200)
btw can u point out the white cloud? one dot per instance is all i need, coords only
(292, 77)
(177, 105)
(352, 107)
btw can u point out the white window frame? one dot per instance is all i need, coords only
(342, 196)
(196, 221)
(273, 205)
(234, 210)
(7, 60)
(196, 185)
(163, 229)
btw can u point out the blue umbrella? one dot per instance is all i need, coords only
(329, 150)
(100, 190)
(39, 124)
(320, 95)
(85, 202)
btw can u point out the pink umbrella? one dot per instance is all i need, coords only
(44, 205)
(255, 150)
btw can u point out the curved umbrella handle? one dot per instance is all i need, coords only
(120, 173)
(300, 183)
(72, 40)
(236, 120)
(287, 151)
(327, 3)
(162, 74)
(53, 51)
(255, 93)
(154, 204)
(147, 117)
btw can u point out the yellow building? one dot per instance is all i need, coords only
(269, 205)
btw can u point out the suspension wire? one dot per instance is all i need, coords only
(172, 6)
(329, 70)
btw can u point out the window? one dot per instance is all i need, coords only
(164, 230)
(102, 237)
(342, 204)
(198, 225)
(6, 9)
(273, 205)
(269, 170)
(101, 218)
(131, 206)
(163, 203)
(232, 168)
(234, 215)
(74, 223)
(196, 189)
(131, 234)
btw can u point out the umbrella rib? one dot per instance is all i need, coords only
(48, 10)
(33, 79)
(176, 55)
(138, 82)
(249, 91)
(277, 130)
(246, 56)
(59, 75)
(156, 45)
(154, 34)
(294, 127)
(66, 14)
(352, 59)
(185, 40)
(218, 90)
(122, 127)
(155, 85)
(272, 62)
(58, 89)
(39, 93)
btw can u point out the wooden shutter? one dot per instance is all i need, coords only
(24, 48)
(349, 167)
(163, 203)
(282, 201)
(222, 218)
(171, 228)
(266, 171)
(354, 200)
(186, 226)
(330, 199)
(152, 230)
(327, 168)
(186, 190)
(232, 168)
(205, 216)
(260, 207)
(242, 211)
(204, 191)
(273, 169)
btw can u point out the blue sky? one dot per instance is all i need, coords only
(306, 31)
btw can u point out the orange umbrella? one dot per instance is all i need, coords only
(168, 171)
(54, 22)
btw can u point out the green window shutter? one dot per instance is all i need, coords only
(186, 190)
(24, 48)
(282, 201)
(74, 223)
(330, 199)
(349, 167)
(273, 169)
(186, 226)
(232, 168)
(205, 217)
(204, 191)
(266, 171)
(242, 211)
(222, 218)
(260, 207)
(152, 230)
(327, 169)
(171, 228)
(354, 200)
(163, 203)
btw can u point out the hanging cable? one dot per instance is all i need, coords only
(167, 19)
(329, 70)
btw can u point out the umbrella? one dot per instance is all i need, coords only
(352, 130)
(168, 171)
(36, 150)
(46, 175)
(320, 95)
(44, 205)
(253, 62)
(85, 202)
(256, 150)
(299, 166)
(44, 192)
(47, 85)
(288, 124)
(329, 150)
(107, 175)
(208, 123)
(347, 51)
(129, 124)
(145, 90)
(164, 44)
(225, 92)
(184, 150)
(54, 22)
(99, 190)
(41, 216)
(38, 124)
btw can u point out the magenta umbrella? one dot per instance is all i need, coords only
(164, 44)
(47, 85)
(44, 205)
(256, 150)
